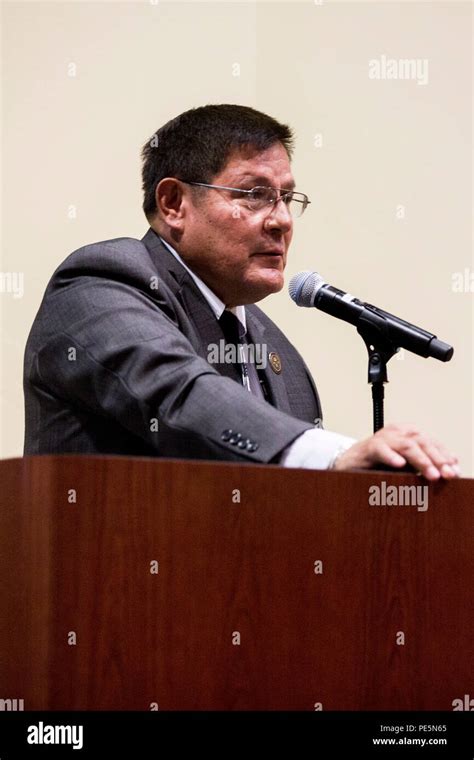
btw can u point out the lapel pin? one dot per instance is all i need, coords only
(275, 362)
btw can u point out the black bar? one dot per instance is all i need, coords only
(158, 734)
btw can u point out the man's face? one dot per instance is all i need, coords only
(239, 253)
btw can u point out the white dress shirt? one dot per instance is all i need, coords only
(315, 449)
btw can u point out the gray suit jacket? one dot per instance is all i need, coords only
(116, 362)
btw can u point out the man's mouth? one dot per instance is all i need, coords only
(274, 259)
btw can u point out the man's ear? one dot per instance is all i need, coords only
(169, 198)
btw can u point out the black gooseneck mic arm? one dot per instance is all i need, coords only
(380, 349)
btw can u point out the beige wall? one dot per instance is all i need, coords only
(71, 168)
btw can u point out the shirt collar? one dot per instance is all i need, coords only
(217, 306)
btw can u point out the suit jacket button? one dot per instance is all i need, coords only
(252, 446)
(235, 438)
(242, 444)
(226, 435)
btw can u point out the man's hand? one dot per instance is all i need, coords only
(396, 446)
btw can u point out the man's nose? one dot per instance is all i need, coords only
(280, 216)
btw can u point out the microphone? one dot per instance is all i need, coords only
(309, 289)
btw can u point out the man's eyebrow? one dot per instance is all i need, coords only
(260, 180)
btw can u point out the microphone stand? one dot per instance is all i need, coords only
(381, 349)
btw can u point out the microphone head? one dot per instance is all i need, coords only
(304, 286)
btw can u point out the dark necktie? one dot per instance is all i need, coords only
(234, 333)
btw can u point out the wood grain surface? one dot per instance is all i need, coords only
(236, 617)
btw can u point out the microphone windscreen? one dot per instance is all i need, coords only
(304, 286)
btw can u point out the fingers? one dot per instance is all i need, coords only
(428, 456)
(397, 445)
(386, 454)
(445, 464)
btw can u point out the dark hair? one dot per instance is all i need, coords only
(197, 144)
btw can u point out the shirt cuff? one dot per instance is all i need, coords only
(316, 449)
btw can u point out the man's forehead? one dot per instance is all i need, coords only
(262, 166)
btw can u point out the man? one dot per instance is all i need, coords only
(129, 353)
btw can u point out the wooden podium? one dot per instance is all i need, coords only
(137, 584)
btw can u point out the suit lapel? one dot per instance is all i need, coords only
(200, 314)
(256, 333)
(207, 327)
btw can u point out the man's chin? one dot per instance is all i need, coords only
(264, 287)
(274, 279)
